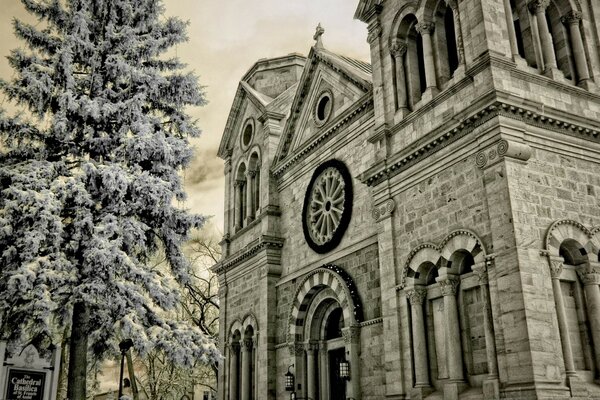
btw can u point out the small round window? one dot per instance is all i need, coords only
(323, 108)
(247, 133)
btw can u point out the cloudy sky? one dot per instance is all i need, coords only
(226, 38)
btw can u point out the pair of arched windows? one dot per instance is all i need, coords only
(549, 36)
(247, 191)
(425, 54)
(242, 364)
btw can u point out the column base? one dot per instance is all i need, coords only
(429, 94)
(249, 220)
(491, 389)
(554, 73)
(453, 389)
(420, 392)
(577, 387)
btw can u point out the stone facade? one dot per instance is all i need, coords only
(469, 266)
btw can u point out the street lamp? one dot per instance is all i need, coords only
(124, 346)
(289, 380)
(344, 370)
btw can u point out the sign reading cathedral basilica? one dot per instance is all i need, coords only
(25, 385)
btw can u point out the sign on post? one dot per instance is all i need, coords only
(25, 385)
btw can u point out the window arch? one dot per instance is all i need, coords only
(445, 39)
(254, 166)
(240, 197)
(241, 371)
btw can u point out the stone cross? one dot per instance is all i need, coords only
(318, 33)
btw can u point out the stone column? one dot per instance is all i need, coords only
(425, 29)
(538, 8)
(556, 267)
(323, 368)
(453, 4)
(590, 276)
(238, 204)
(351, 336)
(233, 372)
(449, 285)
(583, 328)
(491, 386)
(480, 270)
(311, 371)
(416, 297)
(510, 26)
(398, 50)
(246, 353)
(572, 19)
(250, 180)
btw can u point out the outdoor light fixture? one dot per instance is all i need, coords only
(289, 380)
(124, 346)
(345, 370)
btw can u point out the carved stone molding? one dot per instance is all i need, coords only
(247, 345)
(448, 285)
(398, 48)
(296, 348)
(374, 31)
(480, 269)
(502, 148)
(589, 277)
(572, 17)
(425, 28)
(239, 183)
(384, 210)
(556, 266)
(416, 296)
(250, 173)
(311, 346)
(537, 6)
(351, 334)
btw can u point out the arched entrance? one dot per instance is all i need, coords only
(324, 331)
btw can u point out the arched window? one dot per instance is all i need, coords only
(444, 39)
(240, 198)
(235, 365)
(254, 183)
(525, 35)
(409, 64)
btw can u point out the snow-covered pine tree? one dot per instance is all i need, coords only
(88, 182)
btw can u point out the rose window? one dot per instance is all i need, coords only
(328, 206)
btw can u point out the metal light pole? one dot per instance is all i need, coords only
(123, 346)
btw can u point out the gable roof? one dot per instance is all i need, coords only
(261, 101)
(356, 71)
(367, 8)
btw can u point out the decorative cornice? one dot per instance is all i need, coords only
(501, 149)
(383, 171)
(264, 242)
(384, 210)
(370, 322)
(325, 136)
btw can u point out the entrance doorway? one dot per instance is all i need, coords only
(337, 388)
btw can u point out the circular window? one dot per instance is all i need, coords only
(323, 108)
(247, 133)
(327, 206)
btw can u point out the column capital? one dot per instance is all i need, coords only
(235, 346)
(572, 17)
(311, 345)
(239, 182)
(480, 269)
(448, 285)
(351, 334)
(295, 348)
(589, 273)
(453, 4)
(398, 48)
(416, 296)
(425, 28)
(250, 173)
(247, 345)
(383, 210)
(374, 31)
(538, 6)
(556, 266)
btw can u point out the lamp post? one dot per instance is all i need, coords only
(124, 346)
(289, 383)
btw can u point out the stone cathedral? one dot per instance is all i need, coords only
(423, 226)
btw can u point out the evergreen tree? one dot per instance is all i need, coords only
(88, 181)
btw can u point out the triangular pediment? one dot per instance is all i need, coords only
(330, 85)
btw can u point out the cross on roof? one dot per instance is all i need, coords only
(318, 33)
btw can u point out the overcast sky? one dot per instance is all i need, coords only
(226, 38)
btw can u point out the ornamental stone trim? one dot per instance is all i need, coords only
(398, 48)
(351, 334)
(378, 175)
(572, 17)
(425, 28)
(265, 242)
(503, 148)
(374, 31)
(416, 296)
(448, 285)
(384, 210)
